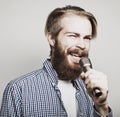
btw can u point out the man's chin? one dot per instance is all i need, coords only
(70, 75)
(70, 72)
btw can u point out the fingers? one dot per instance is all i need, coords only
(93, 79)
(82, 75)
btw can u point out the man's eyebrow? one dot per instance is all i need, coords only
(72, 33)
(88, 36)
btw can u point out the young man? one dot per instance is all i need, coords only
(61, 88)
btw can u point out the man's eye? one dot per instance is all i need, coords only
(88, 38)
(72, 35)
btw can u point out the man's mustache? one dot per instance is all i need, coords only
(79, 52)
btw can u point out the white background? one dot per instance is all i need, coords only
(23, 46)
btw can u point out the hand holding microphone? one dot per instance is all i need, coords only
(86, 65)
(96, 84)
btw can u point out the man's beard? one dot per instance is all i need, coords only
(60, 63)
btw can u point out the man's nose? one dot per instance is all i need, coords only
(81, 44)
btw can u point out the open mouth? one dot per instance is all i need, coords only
(75, 57)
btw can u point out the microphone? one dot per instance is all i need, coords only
(86, 64)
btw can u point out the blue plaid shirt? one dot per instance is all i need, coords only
(37, 95)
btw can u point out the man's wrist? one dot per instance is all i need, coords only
(102, 109)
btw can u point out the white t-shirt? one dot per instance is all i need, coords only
(68, 97)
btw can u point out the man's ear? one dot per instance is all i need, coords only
(50, 39)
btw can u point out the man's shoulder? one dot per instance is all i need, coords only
(27, 78)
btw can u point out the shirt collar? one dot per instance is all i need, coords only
(78, 83)
(51, 71)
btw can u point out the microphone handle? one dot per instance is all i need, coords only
(96, 91)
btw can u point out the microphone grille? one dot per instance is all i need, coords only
(85, 61)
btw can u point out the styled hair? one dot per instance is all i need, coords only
(53, 23)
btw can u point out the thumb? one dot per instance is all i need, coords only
(82, 75)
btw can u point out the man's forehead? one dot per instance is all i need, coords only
(76, 25)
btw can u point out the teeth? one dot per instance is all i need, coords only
(76, 55)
